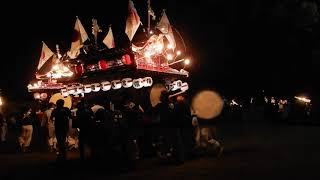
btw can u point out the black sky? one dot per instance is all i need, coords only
(236, 46)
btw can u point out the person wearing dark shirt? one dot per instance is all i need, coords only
(61, 116)
(86, 124)
(183, 122)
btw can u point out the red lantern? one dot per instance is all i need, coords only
(126, 59)
(103, 65)
(79, 69)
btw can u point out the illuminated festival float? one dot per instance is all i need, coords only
(96, 67)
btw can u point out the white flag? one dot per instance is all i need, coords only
(133, 21)
(79, 36)
(108, 40)
(46, 54)
(165, 27)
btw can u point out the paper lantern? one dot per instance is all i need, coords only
(184, 86)
(138, 83)
(95, 87)
(126, 59)
(103, 65)
(87, 88)
(36, 95)
(169, 87)
(116, 84)
(147, 82)
(105, 86)
(71, 89)
(176, 85)
(79, 90)
(64, 92)
(127, 82)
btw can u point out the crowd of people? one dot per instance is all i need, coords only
(117, 129)
(269, 108)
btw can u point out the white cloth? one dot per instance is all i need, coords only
(26, 136)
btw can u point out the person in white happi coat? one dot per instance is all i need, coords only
(49, 122)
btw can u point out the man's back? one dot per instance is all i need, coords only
(61, 118)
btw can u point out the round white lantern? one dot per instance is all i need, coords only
(64, 92)
(95, 87)
(105, 86)
(87, 88)
(184, 86)
(138, 83)
(116, 84)
(127, 82)
(71, 89)
(147, 82)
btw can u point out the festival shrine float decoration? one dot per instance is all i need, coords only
(91, 66)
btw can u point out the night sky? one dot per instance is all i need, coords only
(237, 47)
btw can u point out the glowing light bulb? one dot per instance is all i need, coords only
(169, 57)
(178, 53)
(187, 61)
(170, 46)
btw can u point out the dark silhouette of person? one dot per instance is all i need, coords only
(183, 123)
(86, 124)
(61, 116)
(132, 113)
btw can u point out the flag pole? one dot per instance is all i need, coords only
(149, 8)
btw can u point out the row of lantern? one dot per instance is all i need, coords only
(103, 65)
(107, 85)
(40, 96)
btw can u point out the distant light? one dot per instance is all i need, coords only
(1, 102)
(233, 102)
(169, 57)
(178, 53)
(151, 32)
(187, 61)
(162, 29)
(170, 46)
(303, 99)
